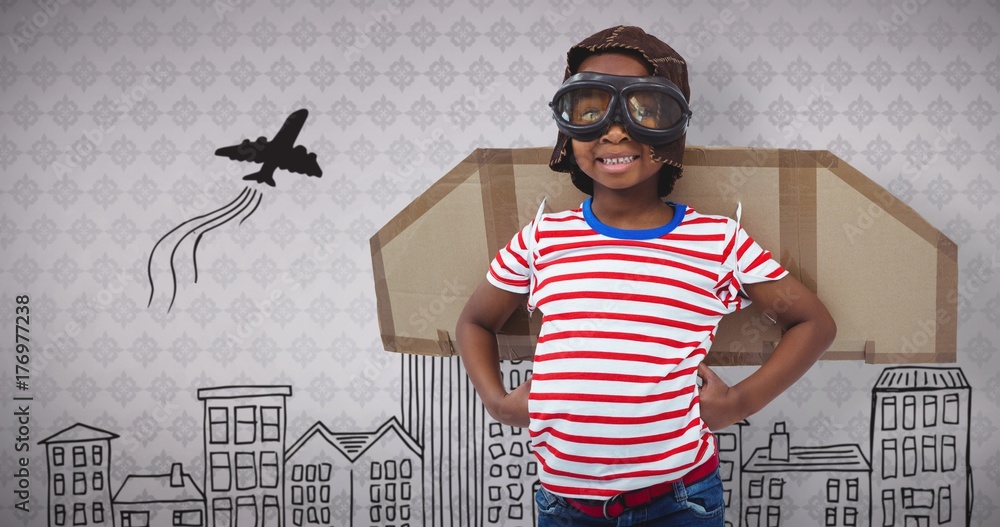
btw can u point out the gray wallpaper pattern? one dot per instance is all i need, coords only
(110, 112)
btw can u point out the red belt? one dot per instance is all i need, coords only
(619, 503)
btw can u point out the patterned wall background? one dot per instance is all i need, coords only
(110, 112)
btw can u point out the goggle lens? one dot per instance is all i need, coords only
(583, 106)
(653, 109)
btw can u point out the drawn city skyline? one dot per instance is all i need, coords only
(444, 462)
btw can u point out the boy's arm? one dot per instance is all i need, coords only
(484, 314)
(808, 331)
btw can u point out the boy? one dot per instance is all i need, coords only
(632, 289)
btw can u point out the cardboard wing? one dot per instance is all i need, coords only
(889, 278)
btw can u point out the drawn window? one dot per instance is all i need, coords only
(852, 489)
(223, 512)
(833, 490)
(59, 484)
(404, 512)
(375, 493)
(831, 517)
(324, 515)
(79, 483)
(79, 456)
(390, 469)
(311, 515)
(727, 442)
(324, 471)
(404, 491)
(297, 495)
(753, 516)
(726, 470)
(310, 473)
(890, 458)
(98, 482)
(269, 469)
(297, 517)
(270, 420)
(375, 513)
(390, 491)
(221, 471)
(98, 454)
(929, 450)
(944, 504)
(950, 416)
(909, 412)
(57, 456)
(324, 494)
(850, 517)
(218, 424)
(773, 516)
(246, 471)
(271, 511)
(918, 498)
(930, 410)
(889, 413)
(187, 518)
(246, 424)
(98, 512)
(909, 456)
(297, 473)
(376, 470)
(311, 494)
(757, 488)
(80, 515)
(776, 489)
(948, 453)
(888, 507)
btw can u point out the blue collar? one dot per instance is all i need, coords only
(633, 234)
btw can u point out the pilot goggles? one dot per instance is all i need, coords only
(652, 109)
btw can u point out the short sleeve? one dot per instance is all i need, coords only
(746, 262)
(509, 269)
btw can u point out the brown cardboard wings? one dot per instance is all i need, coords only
(888, 277)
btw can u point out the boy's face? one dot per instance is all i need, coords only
(615, 160)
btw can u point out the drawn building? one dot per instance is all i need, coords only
(164, 500)
(832, 481)
(79, 461)
(244, 454)
(511, 468)
(377, 477)
(441, 411)
(921, 474)
(730, 443)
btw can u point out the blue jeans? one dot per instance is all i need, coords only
(697, 505)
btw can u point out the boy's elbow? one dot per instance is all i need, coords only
(827, 329)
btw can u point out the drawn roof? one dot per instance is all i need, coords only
(78, 433)
(839, 458)
(917, 378)
(157, 489)
(234, 392)
(351, 444)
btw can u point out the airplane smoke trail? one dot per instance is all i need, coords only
(194, 253)
(216, 219)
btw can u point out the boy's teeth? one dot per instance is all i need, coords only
(618, 160)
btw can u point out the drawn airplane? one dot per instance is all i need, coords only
(279, 153)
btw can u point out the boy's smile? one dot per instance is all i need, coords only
(615, 160)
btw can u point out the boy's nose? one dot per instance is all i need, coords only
(615, 133)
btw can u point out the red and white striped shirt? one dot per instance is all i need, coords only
(627, 317)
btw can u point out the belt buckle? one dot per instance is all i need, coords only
(610, 501)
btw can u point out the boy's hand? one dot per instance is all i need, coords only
(720, 403)
(513, 408)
